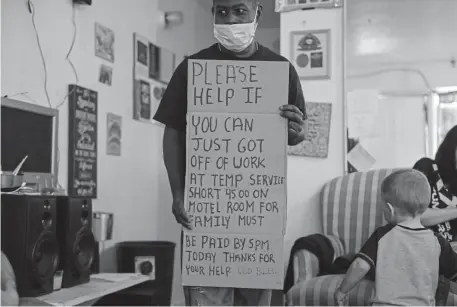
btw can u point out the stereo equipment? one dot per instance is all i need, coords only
(29, 241)
(146, 266)
(76, 241)
(95, 267)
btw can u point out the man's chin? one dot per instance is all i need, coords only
(237, 52)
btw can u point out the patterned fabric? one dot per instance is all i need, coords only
(351, 211)
(352, 207)
(218, 296)
(306, 264)
(321, 291)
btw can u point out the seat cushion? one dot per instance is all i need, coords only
(321, 290)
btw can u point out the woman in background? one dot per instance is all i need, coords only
(441, 215)
(442, 176)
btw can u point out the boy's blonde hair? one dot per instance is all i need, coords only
(408, 191)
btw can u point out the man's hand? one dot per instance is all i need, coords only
(296, 125)
(341, 299)
(180, 214)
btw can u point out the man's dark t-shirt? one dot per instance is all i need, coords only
(172, 110)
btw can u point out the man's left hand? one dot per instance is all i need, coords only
(296, 126)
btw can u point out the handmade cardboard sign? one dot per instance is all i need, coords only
(236, 174)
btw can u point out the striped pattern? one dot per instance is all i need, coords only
(351, 211)
(321, 291)
(306, 264)
(352, 207)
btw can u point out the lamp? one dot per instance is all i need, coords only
(170, 19)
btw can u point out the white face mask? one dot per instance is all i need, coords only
(236, 37)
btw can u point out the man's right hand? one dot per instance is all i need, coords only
(180, 214)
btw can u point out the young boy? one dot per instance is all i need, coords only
(405, 258)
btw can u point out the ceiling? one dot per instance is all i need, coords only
(270, 18)
(393, 31)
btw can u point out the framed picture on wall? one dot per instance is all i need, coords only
(157, 90)
(310, 54)
(154, 61)
(282, 6)
(104, 42)
(142, 100)
(141, 53)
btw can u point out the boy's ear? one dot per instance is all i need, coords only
(391, 209)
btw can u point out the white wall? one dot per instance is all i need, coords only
(306, 176)
(404, 54)
(133, 186)
(380, 35)
(198, 32)
(269, 37)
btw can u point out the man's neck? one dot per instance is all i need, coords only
(246, 53)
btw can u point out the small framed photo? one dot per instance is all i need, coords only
(106, 74)
(113, 134)
(142, 100)
(310, 54)
(141, 52)
(104, 42)
(295, 5)
(154, 61)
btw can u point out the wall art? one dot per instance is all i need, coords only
(310, 53)
(104, 42)
(113, 134)
(316, 143)
(105, 74)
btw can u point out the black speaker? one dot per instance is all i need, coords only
(95, 268)
(29, 241)
(76, 241)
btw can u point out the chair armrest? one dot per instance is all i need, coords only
(306, 263)
(338, 247)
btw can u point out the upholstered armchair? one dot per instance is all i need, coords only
(351, 211)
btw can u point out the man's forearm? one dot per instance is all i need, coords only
(297, 140)
(357, 271)
(174, 156)
(432, 217)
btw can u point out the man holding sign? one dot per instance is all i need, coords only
(235, 23)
